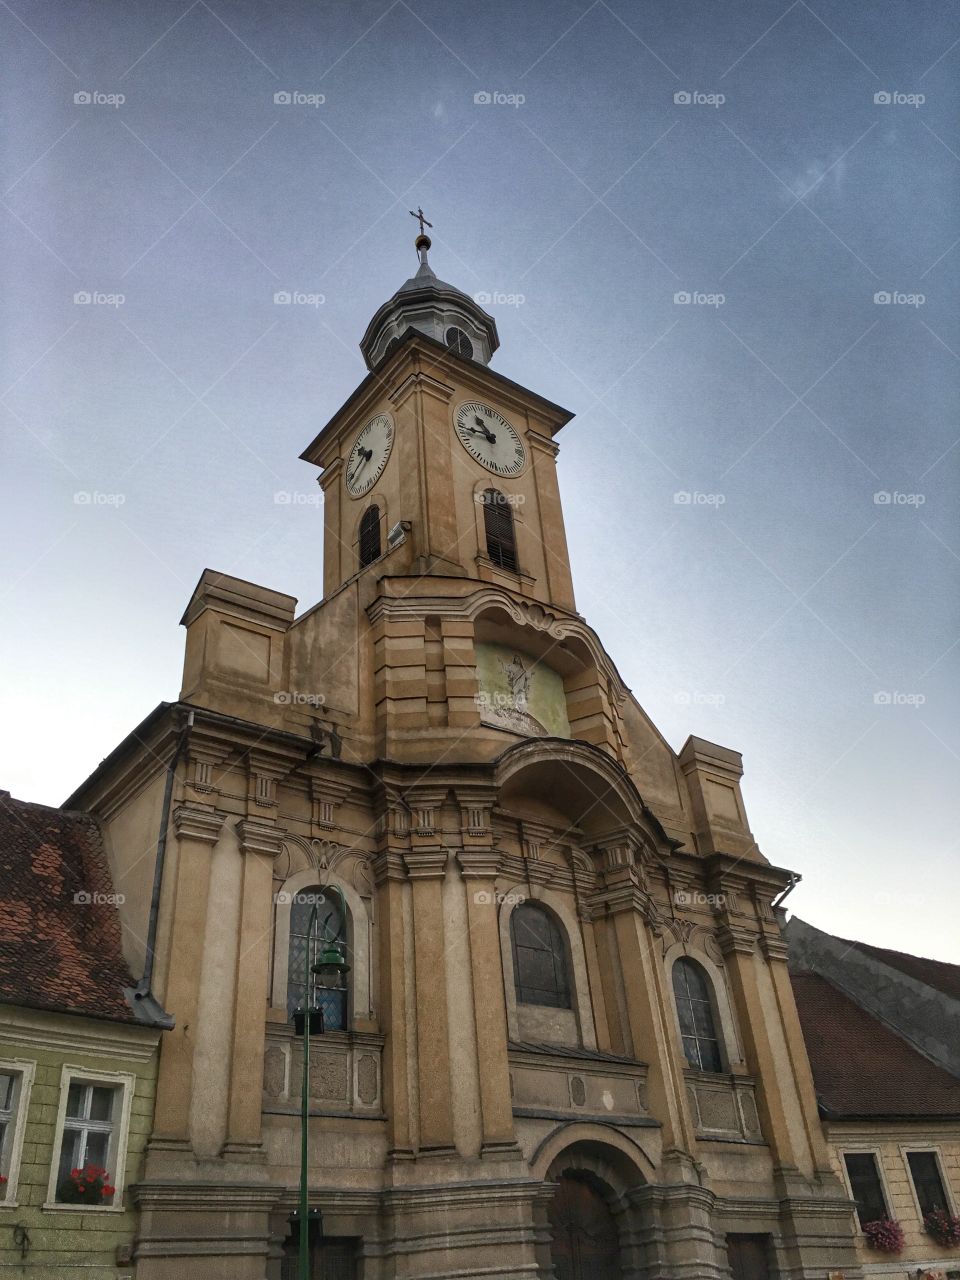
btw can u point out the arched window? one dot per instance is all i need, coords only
(459, 343)
(691, 989)
(329, 924)
(539, 958)
(498, 528)
(370, 536)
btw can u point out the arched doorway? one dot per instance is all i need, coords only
(585, 1242)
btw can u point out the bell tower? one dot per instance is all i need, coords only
(436, 465)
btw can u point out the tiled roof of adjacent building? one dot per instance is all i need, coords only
(934, 973)
(860, 1067)
(59, 929)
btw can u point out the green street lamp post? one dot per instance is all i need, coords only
(330, 964)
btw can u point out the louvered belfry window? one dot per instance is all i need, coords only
(370, 536)
(498, 527)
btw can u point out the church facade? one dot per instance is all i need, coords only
(567, 1044)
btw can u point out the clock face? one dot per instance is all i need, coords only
(488, 436)
(369, 455)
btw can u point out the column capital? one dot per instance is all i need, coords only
(192, 822)
(260, 837)
(773, 947)
(736, 939)
(426, 864)
(479, 864)
(388, 864)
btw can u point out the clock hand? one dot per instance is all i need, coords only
(485, 429)
(365, 456)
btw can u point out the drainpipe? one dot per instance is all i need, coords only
(144, 1003)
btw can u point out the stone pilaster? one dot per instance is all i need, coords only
(478, 866)
(198, 830)
(259, 844)
(426, 868)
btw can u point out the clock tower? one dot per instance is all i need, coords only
(437, 465)
(566, 1043)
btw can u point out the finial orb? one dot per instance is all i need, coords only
(422, 241)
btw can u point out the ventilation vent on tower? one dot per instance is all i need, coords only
(459, 343)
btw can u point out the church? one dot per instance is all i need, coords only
(566, 1043)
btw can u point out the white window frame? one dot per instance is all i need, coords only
(26, 1070)
(877, 1153)
(125, 1083)
(927, 1148)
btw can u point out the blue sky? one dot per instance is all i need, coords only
(736, 155)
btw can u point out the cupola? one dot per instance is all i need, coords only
(433, 307)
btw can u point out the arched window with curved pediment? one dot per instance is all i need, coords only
(540, 969)
(370, 536)
(329, 923)
(695, 1012)
(499, 530)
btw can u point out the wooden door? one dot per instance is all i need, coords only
(748, 1257)
(585, 1243)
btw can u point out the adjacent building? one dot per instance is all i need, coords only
(877, 1026)
(77, 1064)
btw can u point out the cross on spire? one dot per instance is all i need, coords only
(419, 215)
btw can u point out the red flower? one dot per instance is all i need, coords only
(884, 1235)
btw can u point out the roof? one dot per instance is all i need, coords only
(59, 929)
(933, 973)
(861, 1069)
